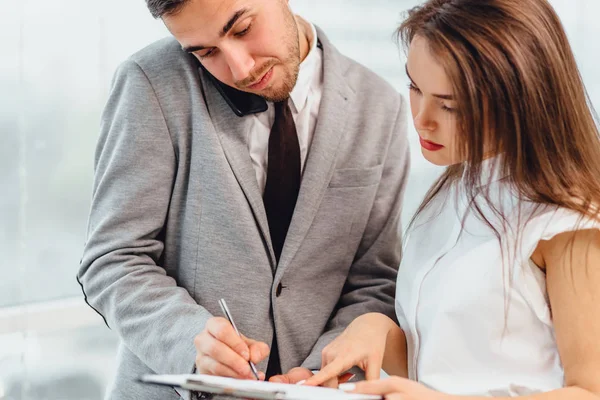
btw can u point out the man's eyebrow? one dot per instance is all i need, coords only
(232, 21)
(439, 96)
(226, 28)
(191, 49)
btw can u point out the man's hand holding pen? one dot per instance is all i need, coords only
(221, 351)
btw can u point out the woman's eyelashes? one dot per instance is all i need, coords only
(412, 87)
(415, 89)
(448, 109)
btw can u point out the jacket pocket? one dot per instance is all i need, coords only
(356, 177)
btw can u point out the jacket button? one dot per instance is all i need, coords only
(278, 290)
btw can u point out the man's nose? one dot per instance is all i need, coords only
(240, 63)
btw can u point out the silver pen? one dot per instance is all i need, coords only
(230, 318)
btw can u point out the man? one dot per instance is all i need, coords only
(243, 159)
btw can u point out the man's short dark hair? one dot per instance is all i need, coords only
(158, 8)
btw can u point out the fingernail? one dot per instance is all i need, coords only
(301, 382)
(347, 387)
(275, 380)
(246, 355)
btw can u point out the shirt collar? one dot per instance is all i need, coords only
(306, 73)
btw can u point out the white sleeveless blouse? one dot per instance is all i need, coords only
(477, 319)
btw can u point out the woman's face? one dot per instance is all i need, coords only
(432, 104)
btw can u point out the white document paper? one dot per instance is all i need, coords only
(252, 389)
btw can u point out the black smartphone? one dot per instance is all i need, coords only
(242, 103)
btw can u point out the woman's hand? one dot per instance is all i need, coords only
(362, 344)
(395, 388)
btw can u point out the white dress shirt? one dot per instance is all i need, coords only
(305, 100)
(477, 323)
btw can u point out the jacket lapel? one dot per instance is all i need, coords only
(233, 132)
(330, 128)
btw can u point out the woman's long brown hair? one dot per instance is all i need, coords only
(518, 88)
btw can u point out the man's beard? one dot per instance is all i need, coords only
(288, 81)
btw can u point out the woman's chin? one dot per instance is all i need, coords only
(436, 158)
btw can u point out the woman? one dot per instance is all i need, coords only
(498, 290)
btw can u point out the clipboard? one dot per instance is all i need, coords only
(248, 389)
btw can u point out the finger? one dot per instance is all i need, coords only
(329, 354)
(293, 376)
(279, 379)
(223, 354)
(299, 374)
(331, 383)
(258, 350)
(329, 372)
(335, 382)
(261, 376)
(208, 366)
(223, 331)
(373, 371)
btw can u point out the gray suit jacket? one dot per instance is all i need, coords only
(177, 219)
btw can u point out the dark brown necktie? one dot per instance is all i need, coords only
(281, 192)
(283, 175)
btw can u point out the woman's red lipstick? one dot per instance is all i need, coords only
(431, 146)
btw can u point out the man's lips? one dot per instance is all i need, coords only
(263, 80)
